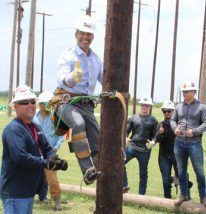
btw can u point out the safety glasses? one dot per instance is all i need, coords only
(166, 111)
(185, 92)
(26, 102)
(145, 105)
(43, 103)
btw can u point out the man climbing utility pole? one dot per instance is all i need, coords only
(116, 77)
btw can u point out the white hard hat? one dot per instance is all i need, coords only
(45, 96)
(23, 92)
(86, 24)
(168, 105)
(189, 86)
(146, 100)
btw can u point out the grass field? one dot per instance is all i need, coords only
(79, 203)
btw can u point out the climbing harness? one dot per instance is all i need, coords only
(68, 100)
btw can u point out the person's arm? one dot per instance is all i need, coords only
(154, 130)
(69, 72)
(100, 76)
(202, 128)
(59, 142)
(174, 120)
(159, 133)
(129, 125)
(18, 149)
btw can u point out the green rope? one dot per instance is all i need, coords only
(75, 100)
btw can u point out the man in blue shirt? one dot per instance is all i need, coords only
(25, 155)
(43, 117)
(79, 69)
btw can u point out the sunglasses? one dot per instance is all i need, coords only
(43, 103)
(145, 105)
(185, 92)
(26, 102)
(166, 111)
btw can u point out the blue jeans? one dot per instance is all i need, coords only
(143, 159)
(18, 205)
(184, 150)
(166, 169)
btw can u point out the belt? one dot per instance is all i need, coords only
(84, 102)
(75, 95)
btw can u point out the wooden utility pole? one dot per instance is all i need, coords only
(42, 55)
(202, 92)
(174, 52)
(155, 51)
(136, 59)
(30, 52)
(203, 40)
(11, 76)
(19, 36)
(89, 9)
(116, 77)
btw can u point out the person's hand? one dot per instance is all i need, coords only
(189, 133)
(161, 129)
(177, 131)
(150, 144)
(128, 140)
(50, 164)
(77, 72)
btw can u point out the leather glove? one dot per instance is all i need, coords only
(51, 164)
(62, 164)
(77, 72)
(150, 144)
(57, 164)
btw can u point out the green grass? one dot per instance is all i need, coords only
(80, 203)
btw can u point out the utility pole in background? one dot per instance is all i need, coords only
(174, 52)
(155, 51)
(136, 59)
(42, 55)
(89, 9)
(19, 36)
(203, 40)
(116, 77)
(202, 92)
(11, 76)
(30, 52)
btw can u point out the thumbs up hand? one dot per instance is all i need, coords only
(77, 73)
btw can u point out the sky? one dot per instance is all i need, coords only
(59, 34)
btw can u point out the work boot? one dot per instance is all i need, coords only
(57, 203)
(181, 200)
(126, 189)
(91, 175)
(203, 201)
